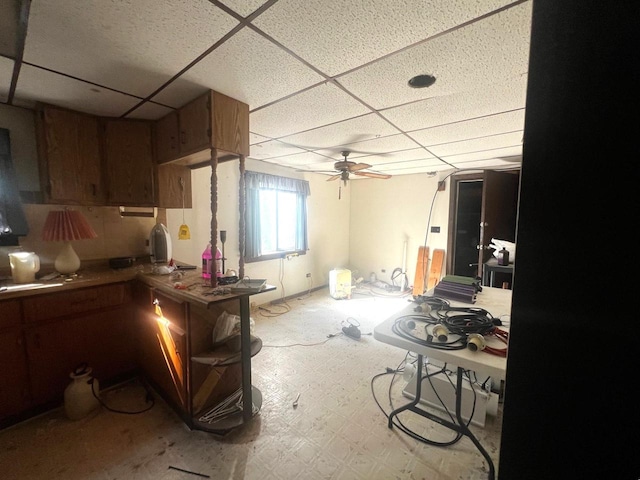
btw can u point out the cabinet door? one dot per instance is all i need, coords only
(194, 120)
(174, 186)
(129, 162)
(166, 138)
(162, 346)
(14, 376)
(230, 124)
(70, 162)
(103, 340)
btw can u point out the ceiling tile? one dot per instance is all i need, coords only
(254, 138)
(315, 107)
(366, 127)
(469, 129)
(272, 149)
(400, 157)
(410, 166)
(492, 50)
(36, 84)
(392, 143)
(244, 7)
(133, 45)
(490, 100)
(253, 73)
(478, 144)
(302, 159)
(6, 72)
(9, 27)
(467, 159)
(361, 30)
(150, 111)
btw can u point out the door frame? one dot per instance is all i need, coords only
(453, 211)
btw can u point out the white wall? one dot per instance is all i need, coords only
(328, 229)
(387, 213)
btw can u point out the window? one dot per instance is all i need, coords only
(276, 217)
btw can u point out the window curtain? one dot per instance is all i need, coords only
(254, 182)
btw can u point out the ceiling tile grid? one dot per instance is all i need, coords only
(355, 32)
(130, 45)
(245, 55)
(479, 54)
(319, 76)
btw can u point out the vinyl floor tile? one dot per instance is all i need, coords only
(337, 431)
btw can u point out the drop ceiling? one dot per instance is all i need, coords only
(320, 76)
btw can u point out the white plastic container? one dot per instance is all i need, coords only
(340, 283)
(24, 266)
(79, 398)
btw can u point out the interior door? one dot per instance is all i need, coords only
(499, 211)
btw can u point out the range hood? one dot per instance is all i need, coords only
(13, 223)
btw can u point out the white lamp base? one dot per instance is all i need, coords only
(68, 261)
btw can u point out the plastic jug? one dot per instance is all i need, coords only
(24, 266)
(81, 395)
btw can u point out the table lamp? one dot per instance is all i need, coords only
(65, 226)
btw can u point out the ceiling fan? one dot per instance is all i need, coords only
(346, 168)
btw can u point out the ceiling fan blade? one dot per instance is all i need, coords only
(372, 175)
(335, 177)
(358, 166)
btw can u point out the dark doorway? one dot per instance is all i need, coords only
(468, 215)
(482, 206)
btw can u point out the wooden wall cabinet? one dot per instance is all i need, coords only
(129, 165)
(212, 120)
(69, 155)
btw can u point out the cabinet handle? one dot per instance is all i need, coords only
(93, 189)
(183, 137)
(19, 341)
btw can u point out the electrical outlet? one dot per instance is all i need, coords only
(308, 275)
(383, 270)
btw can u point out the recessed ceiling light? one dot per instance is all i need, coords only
(422, 81)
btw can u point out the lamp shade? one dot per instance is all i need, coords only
(66, 225)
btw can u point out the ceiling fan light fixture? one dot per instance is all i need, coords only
(422, 81)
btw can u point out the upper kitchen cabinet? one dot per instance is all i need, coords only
(69, 157)
(167, 138)
(210, 121)
(129, 165)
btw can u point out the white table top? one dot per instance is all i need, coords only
(496, 301)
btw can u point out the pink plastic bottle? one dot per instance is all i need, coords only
(206, 262)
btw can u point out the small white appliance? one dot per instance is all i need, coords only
(160, 248)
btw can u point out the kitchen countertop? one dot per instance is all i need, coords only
(182, 284)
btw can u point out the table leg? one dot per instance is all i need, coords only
(245, 342)
(410, 406)
(463, 426)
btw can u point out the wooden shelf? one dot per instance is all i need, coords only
(222, 356)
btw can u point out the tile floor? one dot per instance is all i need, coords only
(336, 432)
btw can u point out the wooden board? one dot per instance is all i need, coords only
(421, 271)
(435, 272)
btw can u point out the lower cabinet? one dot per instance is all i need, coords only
(14, 374)
(102, 340)
(49, 335)
(161, 344)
